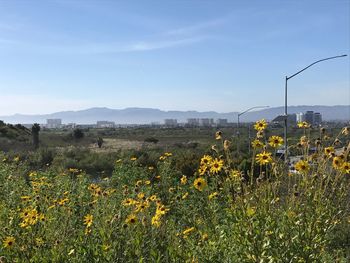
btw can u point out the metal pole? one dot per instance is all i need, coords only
(238, 135)
(285, 121)
(285, 101)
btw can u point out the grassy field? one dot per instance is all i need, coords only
(153, 208)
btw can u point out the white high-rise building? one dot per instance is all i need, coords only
(300, 117)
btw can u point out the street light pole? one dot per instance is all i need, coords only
(239, 114)
(285, 102)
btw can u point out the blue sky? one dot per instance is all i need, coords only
(171, 54)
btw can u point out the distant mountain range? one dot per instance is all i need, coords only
(148, 115)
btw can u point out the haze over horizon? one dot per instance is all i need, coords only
(223, 56)
(167, 110)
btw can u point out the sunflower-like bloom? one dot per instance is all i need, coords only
(260, 125)
(329, 150)
(263, 158)
(303, 124)
(257, 144)
(337, 162)
(161, 210)
(200, 184)
(216, 166)
(206, 160)
(218, 135)
(153, 198)
(346, 167)
(156, 220)
(302, 166)
(131, 219)
(88, 220)
(142, 206)
(345, 131)
(275, 141)
(9, 242)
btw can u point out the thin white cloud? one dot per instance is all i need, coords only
(193, 29)
(105, 48)
(144, 46)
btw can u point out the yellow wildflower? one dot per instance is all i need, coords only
(200, 184)
(131, 219)
(153, 198)
(337, 162)
(257, 144)
(183, 179)
(275, 141)
(162, 210)
(140, 195)
(260, 125)
(263, 158)
(88, 220)
(218, 135)
(234, 174)
(346, 167)
(216, 165)
(128, 202)
(206, 160)
(329, 150)
(345, 131)
(156, 220)
(185, 195)
(9, 242)
(304, 125)
(302, 166)
(188, 231)
(213, 195)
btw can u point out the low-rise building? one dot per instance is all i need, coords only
(53, 123)
(221, 122)
(105, 124)
(170, 122)
(206, 122)
(193, 122)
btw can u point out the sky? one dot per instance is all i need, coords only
(199, 55)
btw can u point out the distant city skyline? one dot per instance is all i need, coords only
(223, 56)
(148, 115)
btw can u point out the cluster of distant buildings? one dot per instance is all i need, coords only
(311, 117)
(197, 122)
(192, 122)
(57, 124)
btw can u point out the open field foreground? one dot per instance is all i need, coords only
(158, 214)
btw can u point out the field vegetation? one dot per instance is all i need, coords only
(190, 199)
